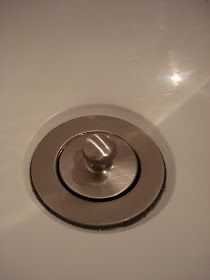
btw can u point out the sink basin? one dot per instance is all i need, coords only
(150, 58)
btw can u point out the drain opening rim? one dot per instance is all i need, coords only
(120, 212)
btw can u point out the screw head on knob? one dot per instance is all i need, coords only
(99, 151)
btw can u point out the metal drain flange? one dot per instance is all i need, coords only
(97, 172)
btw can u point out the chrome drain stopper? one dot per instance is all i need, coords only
(98, 172)
(98, 165)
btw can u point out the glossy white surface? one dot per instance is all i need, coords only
(151, 57)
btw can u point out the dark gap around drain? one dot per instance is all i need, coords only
(137, 178)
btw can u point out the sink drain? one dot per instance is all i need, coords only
(97, 172)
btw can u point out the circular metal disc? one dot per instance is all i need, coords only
(93, 214)
(103, 185)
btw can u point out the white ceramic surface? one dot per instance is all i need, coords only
(150, 57)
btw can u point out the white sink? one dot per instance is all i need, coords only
(149, 57)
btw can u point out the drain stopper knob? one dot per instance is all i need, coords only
(99, 151)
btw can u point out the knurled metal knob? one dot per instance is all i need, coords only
(99, 151)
